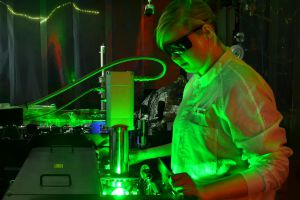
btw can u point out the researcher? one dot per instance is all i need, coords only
(227, 142)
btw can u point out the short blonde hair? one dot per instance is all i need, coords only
(183, 13)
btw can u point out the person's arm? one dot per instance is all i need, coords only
(150, 153)
(231, 187)
(156, 152)
(227, 188)
(254, 120)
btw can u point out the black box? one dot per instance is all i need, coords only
(11, 116)
(57, 172)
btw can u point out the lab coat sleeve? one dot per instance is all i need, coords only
(254, 121)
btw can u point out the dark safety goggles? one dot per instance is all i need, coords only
(181, 45)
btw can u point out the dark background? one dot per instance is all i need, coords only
(37, 59)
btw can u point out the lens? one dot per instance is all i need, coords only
(178, 47)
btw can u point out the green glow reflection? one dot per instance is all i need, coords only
(118, 191)
(119, 186)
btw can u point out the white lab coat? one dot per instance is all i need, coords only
(228, 123)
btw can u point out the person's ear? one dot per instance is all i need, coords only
(208, 31)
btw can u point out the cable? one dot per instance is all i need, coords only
(66, 105)
(105, 67)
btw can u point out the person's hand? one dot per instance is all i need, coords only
(135, 157)
(183, 183)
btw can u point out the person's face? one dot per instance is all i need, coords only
(197, 57)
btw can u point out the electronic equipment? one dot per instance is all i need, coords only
(11, 116)
(149, 9)
(120, 99)
(57, 172)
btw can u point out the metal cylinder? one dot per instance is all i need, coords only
(142, 126)
(119, 150)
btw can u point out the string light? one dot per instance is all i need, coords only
(45, 19)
